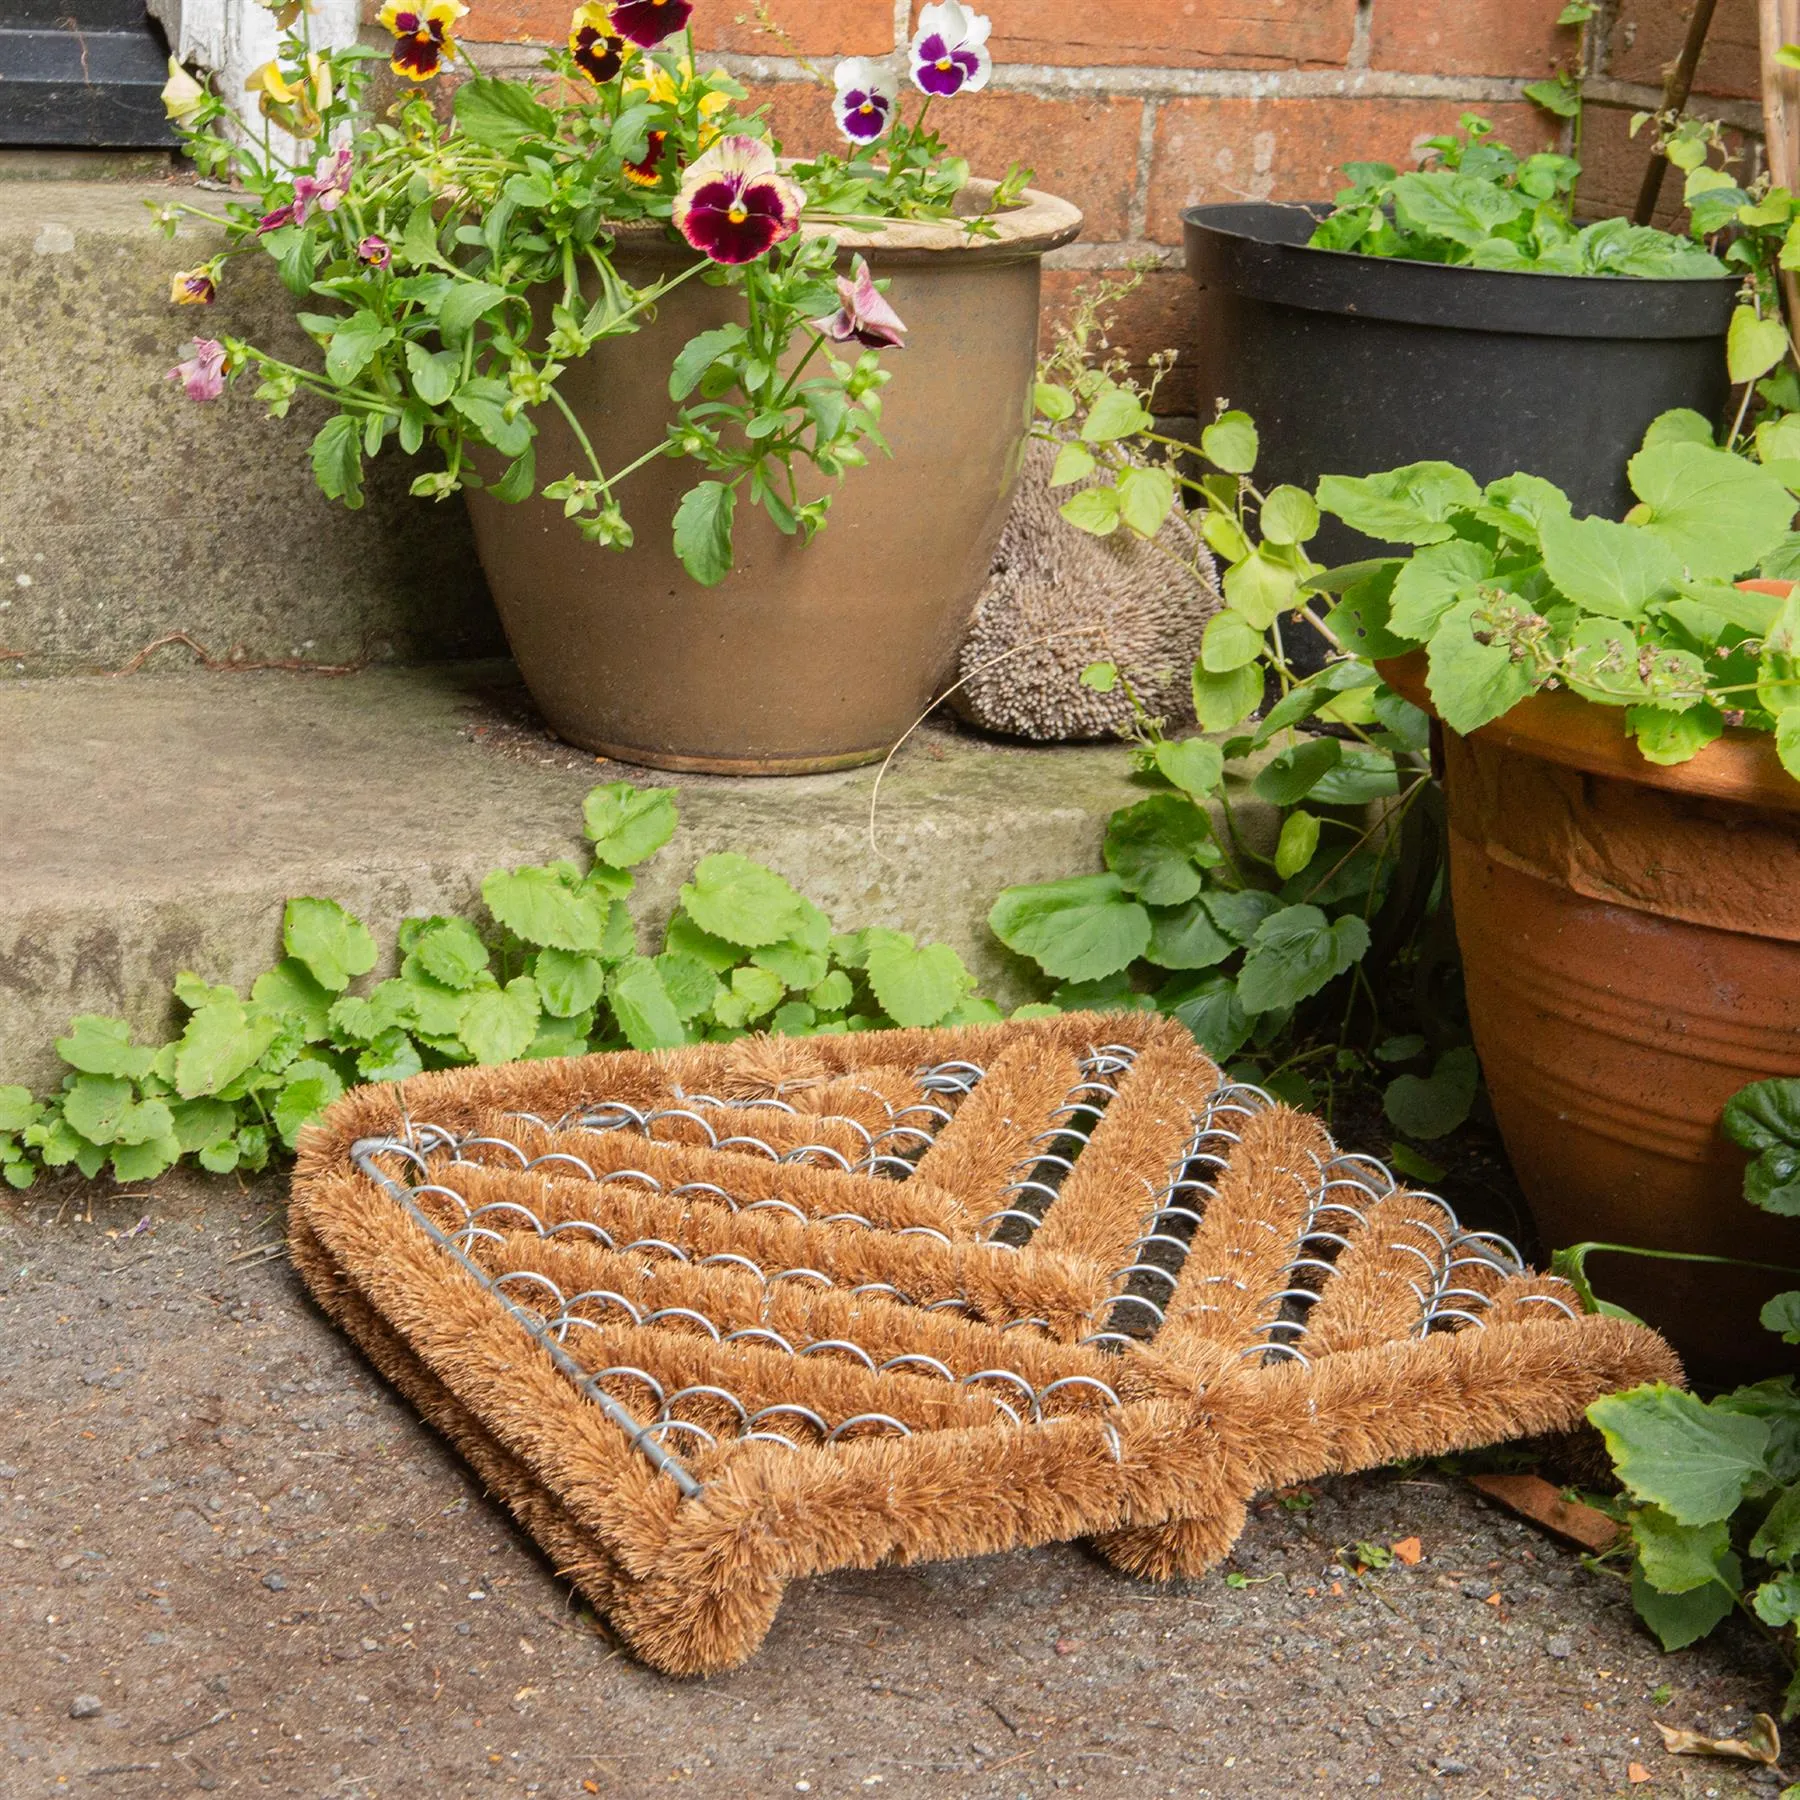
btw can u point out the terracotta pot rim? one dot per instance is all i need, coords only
(1562, 728)
(1039, 223)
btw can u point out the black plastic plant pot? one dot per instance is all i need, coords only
(1354, 364)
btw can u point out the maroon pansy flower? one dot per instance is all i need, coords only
(647, 22)
(374, 252)
(422, 37)
(648, 171)
(734, 204)
(598, 50)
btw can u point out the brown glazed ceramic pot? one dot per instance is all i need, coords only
(807, 656)
(1631, 945)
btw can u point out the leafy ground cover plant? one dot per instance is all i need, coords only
(450, 268)
(1479, 204)
(1280, 956)
(554, 969)
(1712, 1488)
(1510, 593)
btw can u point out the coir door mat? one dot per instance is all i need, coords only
(708, 1320)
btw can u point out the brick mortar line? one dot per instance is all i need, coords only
(1137, 214)
(1362, 36)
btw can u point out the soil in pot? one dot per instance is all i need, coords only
(807, 656)
(1355, 364)
(1631, 950)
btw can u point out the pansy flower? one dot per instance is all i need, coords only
(734, 203)
(862, 314)
(949, 50)
(647, 22)
(374, 252)
(648, 171)
(202, 375)
(422, 37)
(598, 50)
(287, 103)
(194, 287)
(864, 104)
(324, 187)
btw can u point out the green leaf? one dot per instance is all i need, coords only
(1359, 621)
(199, 1124)
(547, 906)
(1753, 346)
(628, 824)
(916, 986)
(698, 355)
(1463, 208)
(1607, 568)
(1777, 1538)
(1472, 683)
(1230, 641)
(1682, 1619)
(1410, 505)
(1778, 669)
(519, 482)
(1073, 463)
(1191, 764)
(1411, 1163)
(221, 1042)
(353, 346)
(1077, 930)
(1209, 1008)
(1674, 1557)
(1158, 847)
(798, 966)
(1224, 700)
(740, 901)
(1240, 915)
(463, 305)
(1559, 96)
(1782, 1314)
(1360, 775)
(1299, 839)
(752, 995)
(1432, 1106)
(499, 114)
(642, 1006)
(335, 946)
(1765, 1115)
(101, 1046)
(1053, 402)
(832, 994)
(485, 404)
(498, 1024)
(1719, 514)
(311, 1086)
(568, 982)
(1230, 443)
(1777, 1603)
(685, 938)
(145, 1161)
(1296, 952)
(96, 1106)
(1673, 737)
(337, 459)
(692, 987)
(1674, 1451)
(1291, 774)
(1145, 499)
(1094, 510)
(1431, 581)
(1288, 516)
(390, 1056)
(1185, 937)
(451, 951)
(17, 1108)
(1260, 588)
(703, 531)
(1115, 413)
(291, 990)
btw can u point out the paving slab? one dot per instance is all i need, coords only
(159, 822)
(231, 1561)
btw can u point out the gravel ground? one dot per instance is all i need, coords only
(231, 1561)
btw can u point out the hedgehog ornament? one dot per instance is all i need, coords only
(1059, 599)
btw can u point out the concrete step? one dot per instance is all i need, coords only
(159, 822)
(127, 512)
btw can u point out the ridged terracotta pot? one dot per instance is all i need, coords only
(807, 656)
(1631, 945)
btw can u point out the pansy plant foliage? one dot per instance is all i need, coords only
(451, 262)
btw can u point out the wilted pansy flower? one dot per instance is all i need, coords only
(866, 92)
(862, 313)
(648, 171)
(949, 50)
(287, 103)
(374, 253)
(422, 37)
(194, 287)
(647, 22)
(202, 375)
(324, 187)
(734, 202)
(598, 50)
(182, 95)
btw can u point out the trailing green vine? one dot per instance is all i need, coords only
(554, 969)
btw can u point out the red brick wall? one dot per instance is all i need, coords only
(1134, 109)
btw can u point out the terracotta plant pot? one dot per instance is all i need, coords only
(807, 656)
(1631, 945)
